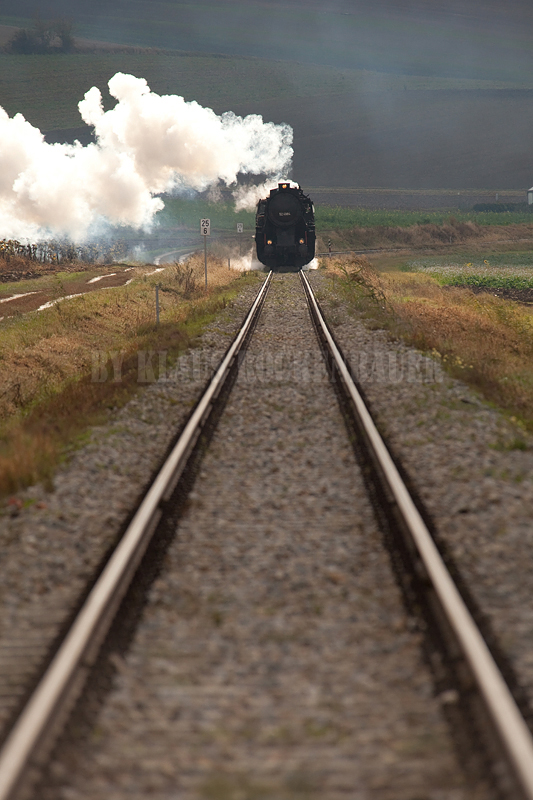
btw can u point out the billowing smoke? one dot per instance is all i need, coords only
(146, 145)
(246, 197)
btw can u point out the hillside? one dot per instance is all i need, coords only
(418, 94)
(472, 39)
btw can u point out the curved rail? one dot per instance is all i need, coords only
(513, 733)
(80, 647)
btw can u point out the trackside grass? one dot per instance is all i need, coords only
(479, 338)
(49, 398)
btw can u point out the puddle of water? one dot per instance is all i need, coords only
(59, 300)
(101, 277)
(16, 297)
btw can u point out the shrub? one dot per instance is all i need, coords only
(45, 37)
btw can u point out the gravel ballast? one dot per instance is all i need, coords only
(472, 468)
(274, 658)
(52, 541)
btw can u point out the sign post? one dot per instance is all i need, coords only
(240, 229)
(205, 230)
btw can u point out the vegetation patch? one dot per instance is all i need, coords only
(44, 36)
(409, 235)
(481, 339)
(49, 394)
(489, 281)
(507, 281)
(462, 263)
(388, 220)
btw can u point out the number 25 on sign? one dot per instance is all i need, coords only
(205, 230)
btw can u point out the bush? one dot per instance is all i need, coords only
(55, 252)
(45, 37)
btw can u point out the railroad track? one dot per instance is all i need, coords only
(474, 667)
(427, 583)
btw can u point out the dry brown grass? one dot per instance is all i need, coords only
(426, 237)
(18, 267)
(47, 395)
(481, 339)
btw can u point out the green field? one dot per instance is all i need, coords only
(509, 271)
(341, 218)
(413, 97)
(483, 281)
(185, 213)
(46, 89)
(489, 41)
(472, 262)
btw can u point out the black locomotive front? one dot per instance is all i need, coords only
(285, 228)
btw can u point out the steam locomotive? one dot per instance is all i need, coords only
(285, 228)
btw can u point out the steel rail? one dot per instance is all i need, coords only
(79, 649)
(513, 733)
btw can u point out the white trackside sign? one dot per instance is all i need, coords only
(205, 227)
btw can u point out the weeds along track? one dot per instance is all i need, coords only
(274, 656)
(35, 729)
(459, 653)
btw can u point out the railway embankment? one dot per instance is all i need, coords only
(470, 464)
(53, 539)
(274, 657)
(65, 368)
(250, 647)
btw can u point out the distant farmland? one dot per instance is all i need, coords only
(426, 96)
(350, 128)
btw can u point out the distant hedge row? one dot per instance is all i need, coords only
(54, 252)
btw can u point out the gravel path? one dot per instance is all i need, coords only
(466, 461)
(54, 542)
(274, 659)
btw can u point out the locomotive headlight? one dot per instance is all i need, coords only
(302, 241)
(269, 241)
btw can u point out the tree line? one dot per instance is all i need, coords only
(45, 36)
(55, 252)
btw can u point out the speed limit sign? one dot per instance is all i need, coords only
(205, 227)
(240, 227)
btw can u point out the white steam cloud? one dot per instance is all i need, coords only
(147, 144)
